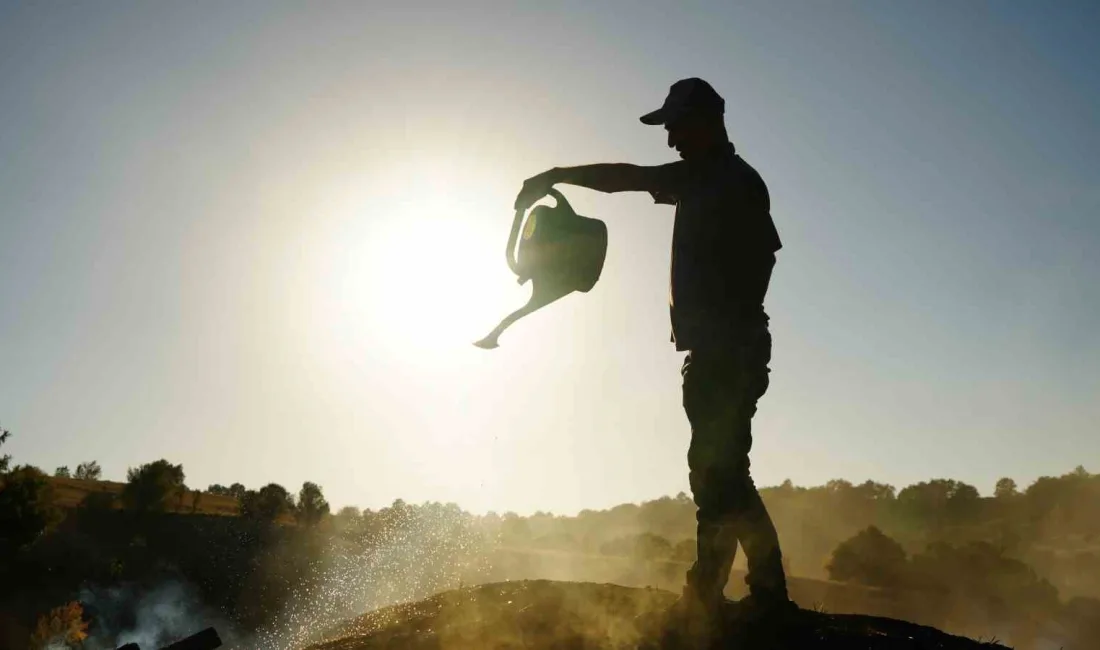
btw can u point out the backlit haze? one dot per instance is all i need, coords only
(258, 239)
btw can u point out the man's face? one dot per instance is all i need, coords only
(691, 136)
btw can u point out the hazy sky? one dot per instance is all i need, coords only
(259, 239)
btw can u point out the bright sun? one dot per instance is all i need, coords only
(437, 281)
(405, 271)
(424, 270)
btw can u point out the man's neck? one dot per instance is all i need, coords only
(717, 150)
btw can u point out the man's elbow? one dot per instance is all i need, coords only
(636, 178)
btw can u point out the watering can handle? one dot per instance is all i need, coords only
(517, 226)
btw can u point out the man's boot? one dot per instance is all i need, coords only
(766, 578)
(697, 614)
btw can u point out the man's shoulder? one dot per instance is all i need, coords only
(750, 178)
(745, 166)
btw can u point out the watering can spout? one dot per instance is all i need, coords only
(560, 252)
(541, 295)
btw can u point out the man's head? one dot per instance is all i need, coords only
(693, 117)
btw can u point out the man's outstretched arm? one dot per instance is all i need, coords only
(602, 177)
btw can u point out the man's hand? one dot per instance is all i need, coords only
(534, 188)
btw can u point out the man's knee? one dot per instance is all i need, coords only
(722, 492)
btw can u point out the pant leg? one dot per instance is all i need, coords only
(721, 388)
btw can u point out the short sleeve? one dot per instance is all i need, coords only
(666, 182)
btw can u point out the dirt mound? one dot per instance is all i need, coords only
(537, 614)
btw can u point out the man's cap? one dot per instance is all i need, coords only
(691, 96)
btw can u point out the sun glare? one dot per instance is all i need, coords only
(422, 267)
(436, 283)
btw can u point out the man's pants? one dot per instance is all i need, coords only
(721, 387)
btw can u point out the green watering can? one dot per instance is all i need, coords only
(560, 252)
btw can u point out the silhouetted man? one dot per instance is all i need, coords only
(723, 252)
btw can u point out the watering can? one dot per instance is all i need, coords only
(560, 252)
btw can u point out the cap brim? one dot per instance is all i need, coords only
(658, 116)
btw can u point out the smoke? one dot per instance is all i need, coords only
(151, 618)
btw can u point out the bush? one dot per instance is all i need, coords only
(153, 486)
(312, 506)
(270, 503)
(64, 626)
(869, 558)
(88, 471)
(27, 508)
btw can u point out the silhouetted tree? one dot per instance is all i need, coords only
(270, 503)
(869, 558)
(349, 512)
(873, 491)
(838, 485)
(27, 508)
(349, 520)
(1005, 489)
(218, 489)
(237, 490)
(62, 472)
(5, 459)
(312, 506)
(88, 471)
(938, 501)
(153, 486)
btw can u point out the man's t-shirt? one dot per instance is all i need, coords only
(723, 247)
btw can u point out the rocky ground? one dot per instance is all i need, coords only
(538, 614)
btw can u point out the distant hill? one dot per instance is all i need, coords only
(71, 492)
(537, 614)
